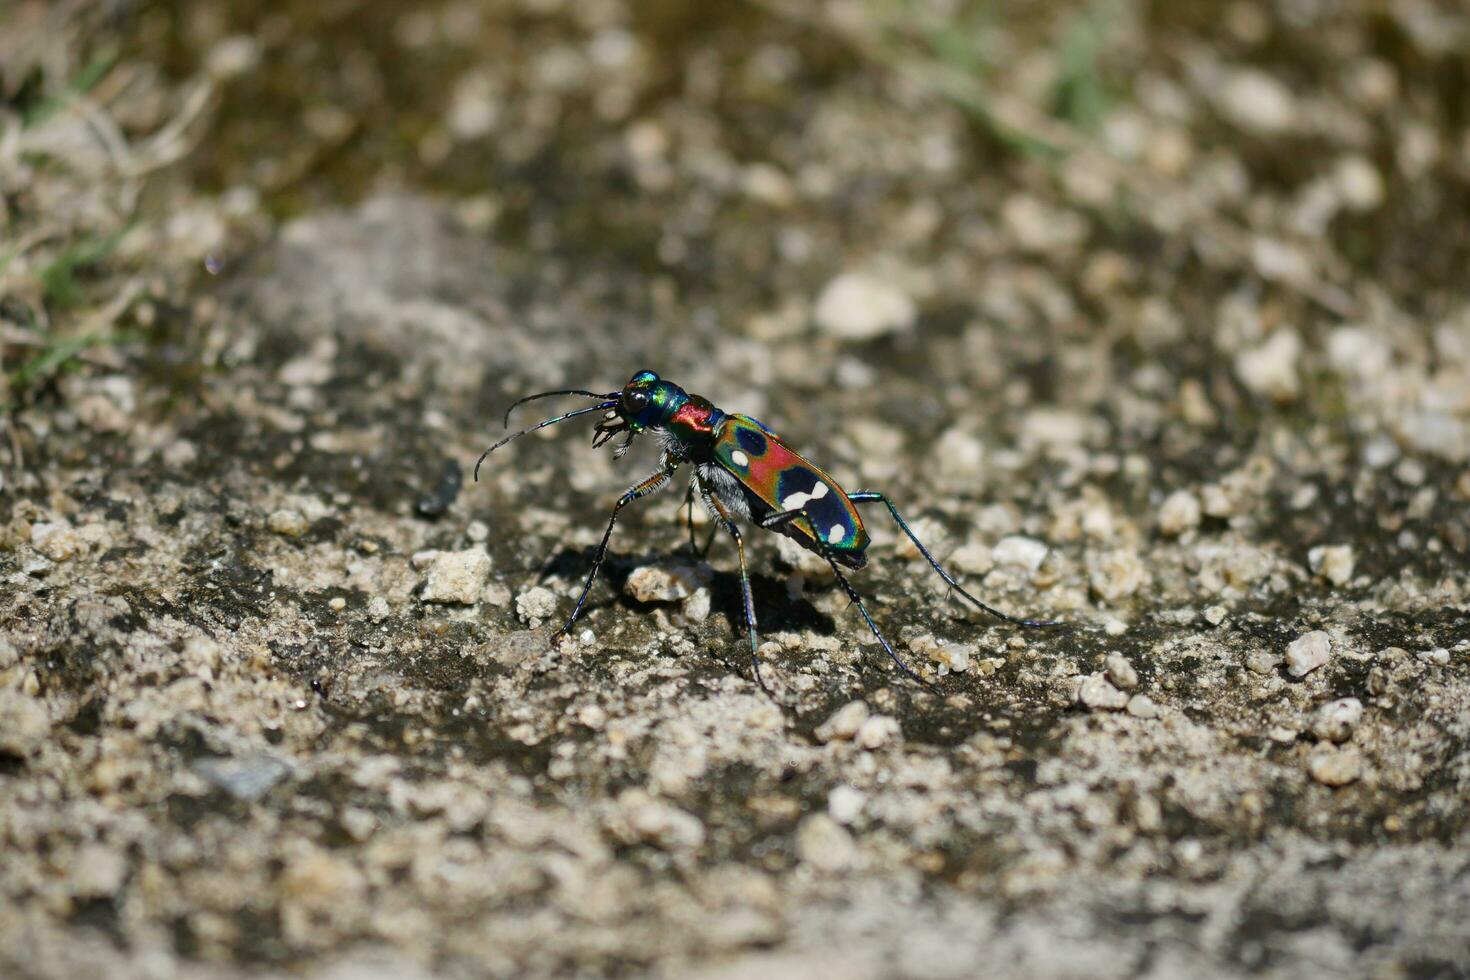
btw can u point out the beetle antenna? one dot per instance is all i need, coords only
(541, 425)
(548, 394)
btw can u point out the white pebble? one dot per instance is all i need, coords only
(825, 844)
(1256, 101)
(1121, 672)
(1142, 706)
(844, 722)
(1180, 512)
(1332, 562)
(1097, 693)
(535, 604)
(1334, 766)
(845, 804)
(664, 583)
(57, 541)
(456, 577)
(876, 732)
(1335, 720)
(1308, 652)
(1017, 551)
(861, 306)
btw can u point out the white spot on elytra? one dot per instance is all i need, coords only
(836, 534)
(799, 500)
(739, 458)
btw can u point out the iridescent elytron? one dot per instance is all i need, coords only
(741, 469)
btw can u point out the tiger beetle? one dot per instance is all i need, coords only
(741, 469)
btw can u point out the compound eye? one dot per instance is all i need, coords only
(636, 401)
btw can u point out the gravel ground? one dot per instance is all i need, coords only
(1152, 319)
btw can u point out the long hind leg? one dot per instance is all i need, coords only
(726, 521)
(858, 601)
(777, 519)
(873, 496)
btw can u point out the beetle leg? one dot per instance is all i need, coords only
(857, 600)
(652, 484)
(694, 548)
(728, 522)
(873, 496)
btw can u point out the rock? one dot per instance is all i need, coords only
(287, 523)
(1270, 369)
(378, 609)
(844, 723)
(1098, 694)
(1256, 101)
(1116, 574)
(697, 606)
(1121, 672)
(1308, 652)
(456, 577)
(1358, 183)
(665, 583)
(1180, 512)
(57, 541)
(1332, 562)
(972, 559)
(1439, 656)
(876, 732)
(97, 871)
(845, 804)
(647, 820)
(1262, 662)
(1335, 720)
(1333, 765)
(1142, 706)
(861, 306)
(245, 777)
(825, 844)
(25, 723)
(1016, 551)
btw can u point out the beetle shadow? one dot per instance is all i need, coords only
(776, 610)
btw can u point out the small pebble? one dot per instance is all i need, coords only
(1335, 765)
(845, 804)
(1097, 693)
(535, 605)
(825, 844)
(1256, 101)
(1215, 615)
(876, 732)
(1180, 512)
(663, 825)
(1439, 656)
(844, 722)
(1262, 662)
(24, 723)
(1308, 652)
(456, 577)
(1142, 706)
(288, 523)
(665, 583)
(861, 306)
(1016, 551)
(1121, 672)
(1116, 574)
(1335, 720)
(337, 603)
(1332, 562)
(697, 606)
(378, 609)
(57, 541)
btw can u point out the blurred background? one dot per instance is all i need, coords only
(1154, 314)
